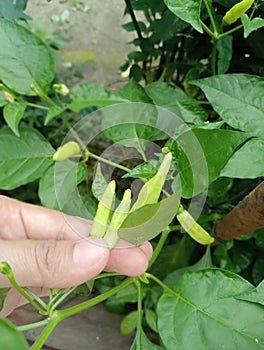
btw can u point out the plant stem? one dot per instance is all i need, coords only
(37, 106)
(230, 31)
(63, 297)
(209, 10)
(134, 20)
(26, 327)
(109, 162)
(157, 250)
(139, 310)
(24, 293)
(51, 325)
(214, 58)
(208, 30)
(163, 285)
(96, 300)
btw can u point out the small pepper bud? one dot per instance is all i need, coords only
(66, 151)
(9, 97)
(237, 11)
(5, 268)
(61, 89)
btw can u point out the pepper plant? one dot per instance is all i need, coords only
(190, 123)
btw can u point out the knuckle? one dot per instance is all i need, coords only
(46, 258)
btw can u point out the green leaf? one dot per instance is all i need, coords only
(13, 113)
(90, 95)
(174, 256)
(58, 184)
(53, 112)
(206, 303)
(131, 124)
(129, 27)
(205, 262)
(255, 295)
(24, 59)
(236, 98)
(23, 159)
(129, 322)
(3, 293)
(247, 162)
(13, 9)
(134, 92)
(145, 170)
(148, 221)
(10, 338)
(151, 319)
(258, 270)
(99, 183)
(225, 49)
(251, 25)
(187, 10)
(175, 100)
(85, 289)
(201, 154)
(141, 342)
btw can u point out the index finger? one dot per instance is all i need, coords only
(27, 221)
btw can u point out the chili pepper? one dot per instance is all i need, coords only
(237, 11)
(118, 218)
(103, 211)
(150, 192)
(66, 151)
(196, 231)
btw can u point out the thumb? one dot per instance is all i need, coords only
(51, 263)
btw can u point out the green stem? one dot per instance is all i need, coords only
(209, 10)
(94, 301)
(230, 31)
(29, 326)
(208, 30)
(21, 290)
(163, 285)
(63, 297)
(37, 106)
(134, 20)
(51, 325)
(109, 162)
(139, 310)
(157, 250)
(214, 58)
(36, 297)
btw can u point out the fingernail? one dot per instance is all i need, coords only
(86, 255)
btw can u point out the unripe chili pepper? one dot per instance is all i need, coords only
(150, 192)
(118, 218)
(103, 211)
(196, 231)
(66, 151)
(237, 11)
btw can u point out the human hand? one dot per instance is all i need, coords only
(45, 249)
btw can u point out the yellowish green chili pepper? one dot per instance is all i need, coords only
(150, 192)
(103, 211)
(66, 151)
(237, 11)
(196, 231)
(118, 218)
